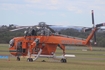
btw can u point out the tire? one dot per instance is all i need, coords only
(18, 58)
(29, 59)
(63, 61)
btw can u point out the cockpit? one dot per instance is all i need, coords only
(41, 29)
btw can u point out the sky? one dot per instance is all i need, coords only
(53, 12)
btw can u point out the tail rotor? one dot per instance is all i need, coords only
(89, 29)
(94, 27)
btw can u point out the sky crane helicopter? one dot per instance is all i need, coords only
(42, 41)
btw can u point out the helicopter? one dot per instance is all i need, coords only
(42, 41)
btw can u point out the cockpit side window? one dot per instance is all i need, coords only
(19, 46)
(33, 32)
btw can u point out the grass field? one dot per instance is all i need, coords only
(84, 60)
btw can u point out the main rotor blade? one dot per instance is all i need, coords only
(50, 29)
(20, 28)
(16, 29)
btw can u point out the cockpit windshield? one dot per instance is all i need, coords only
(11, 42)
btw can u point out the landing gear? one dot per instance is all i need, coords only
(63, 60)
(29, 59)
(18, 58)
(43, 61)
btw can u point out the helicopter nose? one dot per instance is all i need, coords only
(13, 51)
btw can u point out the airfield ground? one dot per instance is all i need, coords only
(84, 60)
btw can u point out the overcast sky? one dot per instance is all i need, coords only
(57, 12)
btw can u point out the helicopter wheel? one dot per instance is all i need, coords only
(29, 59)
(18, 58)
(43, 61)
(63, 61)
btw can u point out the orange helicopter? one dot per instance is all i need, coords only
(42, 41)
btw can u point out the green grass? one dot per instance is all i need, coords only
(84, 60)
(4, 49)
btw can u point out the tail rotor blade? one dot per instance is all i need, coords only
(89, 29)
(99, 25)
(92, 17)
(95, 38)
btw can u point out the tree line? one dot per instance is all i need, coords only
(6, 35)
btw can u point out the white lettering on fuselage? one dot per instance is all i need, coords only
(71, 42)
